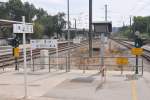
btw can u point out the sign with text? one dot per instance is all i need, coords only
(21, 28)
(137, 51)
(44, 43)
(122, 61)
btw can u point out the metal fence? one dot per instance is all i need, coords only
(84, 63)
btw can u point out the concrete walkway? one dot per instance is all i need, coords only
(59, 85)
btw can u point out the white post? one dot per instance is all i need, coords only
(25, 63)
(57, 58)
(102, 49)
(31, 58)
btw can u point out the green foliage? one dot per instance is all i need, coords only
(4, 12)
(44, 25)
(38, 30)
(125, 31)
(30, 11)
(16, 9)
(141, 24)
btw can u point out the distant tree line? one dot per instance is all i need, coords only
(44, 24)
(141, 24)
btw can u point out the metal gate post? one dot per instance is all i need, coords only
(16, 64)
(142, 67)
(33, 66)
(66, 64)
(3, 67)
(49, 64)
(84, 65)
(137, 65)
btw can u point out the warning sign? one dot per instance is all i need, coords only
(122, 61)
(44, 43)
(16, 52)
(137, 51)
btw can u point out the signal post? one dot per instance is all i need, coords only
(137, 51)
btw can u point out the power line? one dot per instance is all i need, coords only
(134, 7)
(142, 7)
(146, 5)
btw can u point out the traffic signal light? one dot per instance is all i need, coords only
(138, 42)
(14, 42)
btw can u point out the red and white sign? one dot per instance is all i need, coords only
(44, 43)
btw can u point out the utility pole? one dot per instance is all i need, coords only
(68, 65)
(90, 28)
(75, 26)
(75, 23)
(106, 12)
(147, 27)
(130, 24)
(58, 23)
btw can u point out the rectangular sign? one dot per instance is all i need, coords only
(20, 28)
(122, 61)
(137, 51)
(44, 43)
(16, 52)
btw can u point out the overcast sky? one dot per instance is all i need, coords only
(119, 11)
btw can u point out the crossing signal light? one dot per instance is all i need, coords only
(14, 42)
(138, 42)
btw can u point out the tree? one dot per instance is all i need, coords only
(4, 11)
(41, 13)
(16, 9)
(38, 30)
(44, 25)
(60, 23)
(30, 11)
(140, 24)
(53, 24)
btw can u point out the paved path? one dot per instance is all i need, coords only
(59, 85)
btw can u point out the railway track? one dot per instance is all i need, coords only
(129, 45)
(8, 60)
